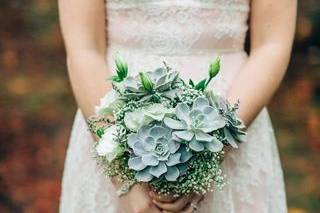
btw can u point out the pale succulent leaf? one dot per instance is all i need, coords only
(196, 145)
(174, 124)
(182, 112)
(144, 175)
(174, 159)
(158, 170)
(173, 146)
(150, 160)
(136, 164)
(158, 131)
(172, 173)
(214, 146)
(184, 135)
(200, 103)
(201, 136)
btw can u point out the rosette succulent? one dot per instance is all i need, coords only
(234, 129)
(156, 154)
(159, 82)
(195, 125)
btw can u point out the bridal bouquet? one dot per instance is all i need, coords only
(158, 129)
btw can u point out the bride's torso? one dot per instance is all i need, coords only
(185, 33)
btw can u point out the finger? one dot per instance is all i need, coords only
(189, 209)
(162, 198)
(175, 206)
(155, 209)
(195, 201)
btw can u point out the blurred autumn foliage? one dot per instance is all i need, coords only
(37, 108)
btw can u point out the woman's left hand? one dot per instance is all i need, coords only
(185, 204)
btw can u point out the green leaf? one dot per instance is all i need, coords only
(115, 78)
(121, 68)
(191, 83)
(214, 68)
(100, 132)
(201, 85)
(146, 81)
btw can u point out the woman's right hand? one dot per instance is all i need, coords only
(137, 200)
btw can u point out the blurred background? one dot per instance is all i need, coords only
(37, 108)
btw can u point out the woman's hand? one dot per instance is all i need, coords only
(137, 200)
(184, 204)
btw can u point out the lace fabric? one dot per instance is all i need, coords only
(178, 27)
(187, 34)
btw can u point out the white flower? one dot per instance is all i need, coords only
(141, 117)
(109, 103)
(134, 120)
(157, 111)
(107, 146)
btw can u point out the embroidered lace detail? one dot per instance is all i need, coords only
(178, 27)
(220, 4)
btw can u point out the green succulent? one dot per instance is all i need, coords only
(156, 154)
(234, 129)
(194, 125)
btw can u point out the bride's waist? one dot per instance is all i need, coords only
(178, 46)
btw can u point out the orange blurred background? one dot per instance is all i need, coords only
(37, 108)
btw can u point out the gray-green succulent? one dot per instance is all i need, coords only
(234, 129)
(156, 154)
(158, 83)
(194, 125)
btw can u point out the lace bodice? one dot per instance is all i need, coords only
(177, 27)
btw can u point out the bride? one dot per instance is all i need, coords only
(187, 34)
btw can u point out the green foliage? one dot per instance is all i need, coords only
(146, 82)
(201, 85)
(121, 70)
(214, 68)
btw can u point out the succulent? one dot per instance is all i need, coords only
(157, 83)
(234, 129)
(156, 154)
(143, 116)
(195, 124)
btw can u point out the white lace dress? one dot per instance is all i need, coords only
(187, 34)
